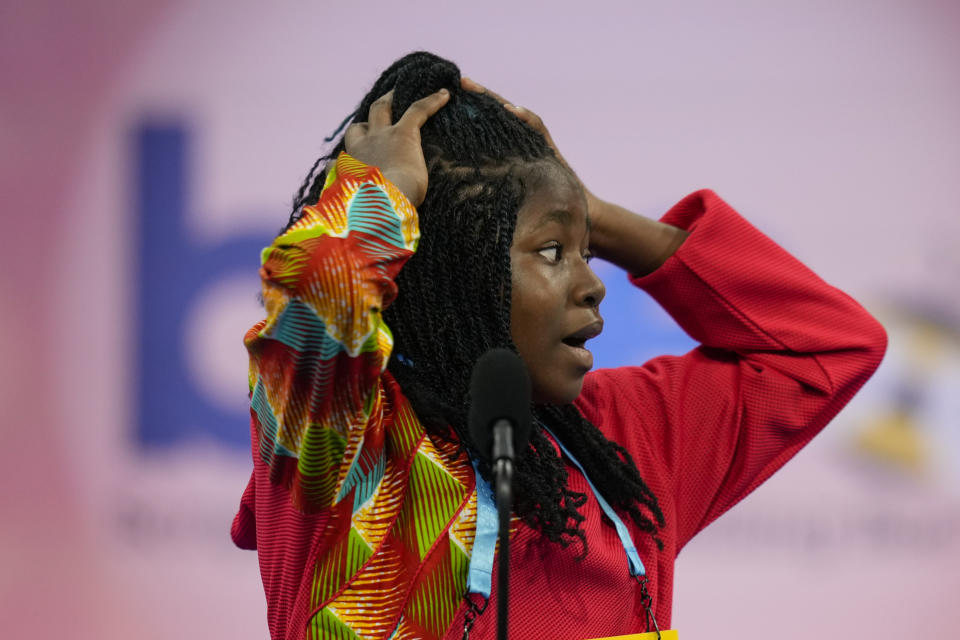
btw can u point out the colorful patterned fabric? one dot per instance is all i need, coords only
(364, 526)
(330, 428)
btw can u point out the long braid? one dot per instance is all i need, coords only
(453, 301)
(623, 484)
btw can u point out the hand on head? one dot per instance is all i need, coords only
(535, 122)
(395, 147)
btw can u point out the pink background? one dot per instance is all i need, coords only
(833, 126)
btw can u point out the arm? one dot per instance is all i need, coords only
(636, 244)
(316, 360)
(782, 352)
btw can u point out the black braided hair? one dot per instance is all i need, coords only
(453, 301)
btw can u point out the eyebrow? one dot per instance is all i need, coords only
(561, 216)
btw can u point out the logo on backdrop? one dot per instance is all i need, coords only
(178, 277)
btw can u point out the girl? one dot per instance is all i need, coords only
(443, 224)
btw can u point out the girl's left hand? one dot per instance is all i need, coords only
(594, 204)
(634, 242)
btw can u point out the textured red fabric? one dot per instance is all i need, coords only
(782, 352)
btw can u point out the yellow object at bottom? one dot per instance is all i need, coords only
(652, 635)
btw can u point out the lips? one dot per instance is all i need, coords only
(578, 338)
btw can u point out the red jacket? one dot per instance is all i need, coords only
(781, 353)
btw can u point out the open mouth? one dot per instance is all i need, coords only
(578, 339)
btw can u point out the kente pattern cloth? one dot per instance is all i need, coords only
(364, 524)
(321, 417)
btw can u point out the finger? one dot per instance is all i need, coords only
(472, 85)
(421, 110)
(354, 133)
(380, 111)
(529, 117)
(469, 84)
(523, 113)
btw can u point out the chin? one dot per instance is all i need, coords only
(558, 393)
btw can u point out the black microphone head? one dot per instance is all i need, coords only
(499, 389)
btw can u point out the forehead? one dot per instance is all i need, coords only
(553, 194)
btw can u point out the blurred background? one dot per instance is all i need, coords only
(147, 151)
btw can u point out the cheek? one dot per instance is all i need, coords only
(537, 306)
(524, 322)
(519, 321)
(530, 330)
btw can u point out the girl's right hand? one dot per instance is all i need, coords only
(395, 148)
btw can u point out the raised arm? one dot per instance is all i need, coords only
(781, 353)
(316, 359)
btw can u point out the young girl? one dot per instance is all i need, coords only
(443, 224)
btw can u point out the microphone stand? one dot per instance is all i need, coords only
(503, 478)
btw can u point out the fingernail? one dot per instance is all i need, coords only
(444, 91)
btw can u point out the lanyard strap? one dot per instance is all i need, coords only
(635, 565)
(480, 570)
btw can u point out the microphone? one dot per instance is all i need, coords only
(499, 404)
(499, 422)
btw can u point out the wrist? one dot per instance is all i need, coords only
(604, 225)
(406, 184)
(633, 242)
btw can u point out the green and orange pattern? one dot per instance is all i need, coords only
(335, 430)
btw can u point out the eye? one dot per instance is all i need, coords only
(588, 256)
(552, 252)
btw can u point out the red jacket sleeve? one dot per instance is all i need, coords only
(781, 353)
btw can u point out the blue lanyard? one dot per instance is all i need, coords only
(480, 573)
(485, 541)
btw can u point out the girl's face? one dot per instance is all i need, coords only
(556, 295)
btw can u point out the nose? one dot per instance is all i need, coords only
(589, 290)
